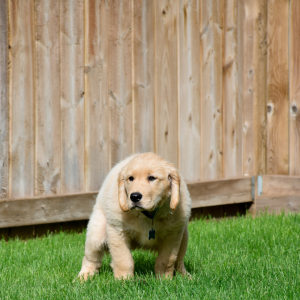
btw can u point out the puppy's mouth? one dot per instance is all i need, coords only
(140, 208)
(136, 207)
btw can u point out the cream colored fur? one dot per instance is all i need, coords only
(116, 225)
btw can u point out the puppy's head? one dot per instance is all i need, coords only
(148, 181)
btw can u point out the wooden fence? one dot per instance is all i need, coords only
(211, 85)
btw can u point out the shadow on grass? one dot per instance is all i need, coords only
(144, 263)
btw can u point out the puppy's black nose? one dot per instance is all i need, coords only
(136, 197)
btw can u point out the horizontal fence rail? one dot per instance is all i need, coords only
(32, 211)
(227, 191)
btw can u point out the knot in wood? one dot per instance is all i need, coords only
(269, 108)
(294, 109)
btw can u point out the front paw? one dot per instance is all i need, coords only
(88, 269)
(85, 273)
(122, 274)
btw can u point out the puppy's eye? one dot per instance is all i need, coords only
(151, 178)
(131, 178)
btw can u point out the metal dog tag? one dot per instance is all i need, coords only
(151, 234)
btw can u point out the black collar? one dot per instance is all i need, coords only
(150, 214)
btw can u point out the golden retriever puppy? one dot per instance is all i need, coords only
(142, 203)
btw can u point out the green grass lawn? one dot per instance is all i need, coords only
(240, 258)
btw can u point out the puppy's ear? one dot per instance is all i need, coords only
(175, 187)
(122, 192)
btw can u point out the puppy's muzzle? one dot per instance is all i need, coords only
(136, 197)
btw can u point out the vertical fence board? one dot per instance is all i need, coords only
(189, 89)
(144, 76)
(295, 88)
(232, 108)
(72, 95)
(166, 79)
(47, 95)
(96, 93)
(277, 88)
(120, 79)
(4, 126)
(211, 107)
(240, 68)
(254, 86)
(21, 93)
(260, 90)
(248, 86)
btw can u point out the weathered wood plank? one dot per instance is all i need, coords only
(166, 79)
(278, 204)
(254, 87)
(211, 107)
(280, 185)
(144, 75)
(4, 108)
(189, 90)
(278, 88)
(72, 95)
(294, 88)
(47, 95)
(42, 210)
(232, 110)
(21, 97)
(248, 86)
(226, 191)
(120, 79)
(260, 90)
(96, 93)
(30, 211)
(240, 68)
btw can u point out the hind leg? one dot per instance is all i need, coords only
(95, 245)
(179, 265)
